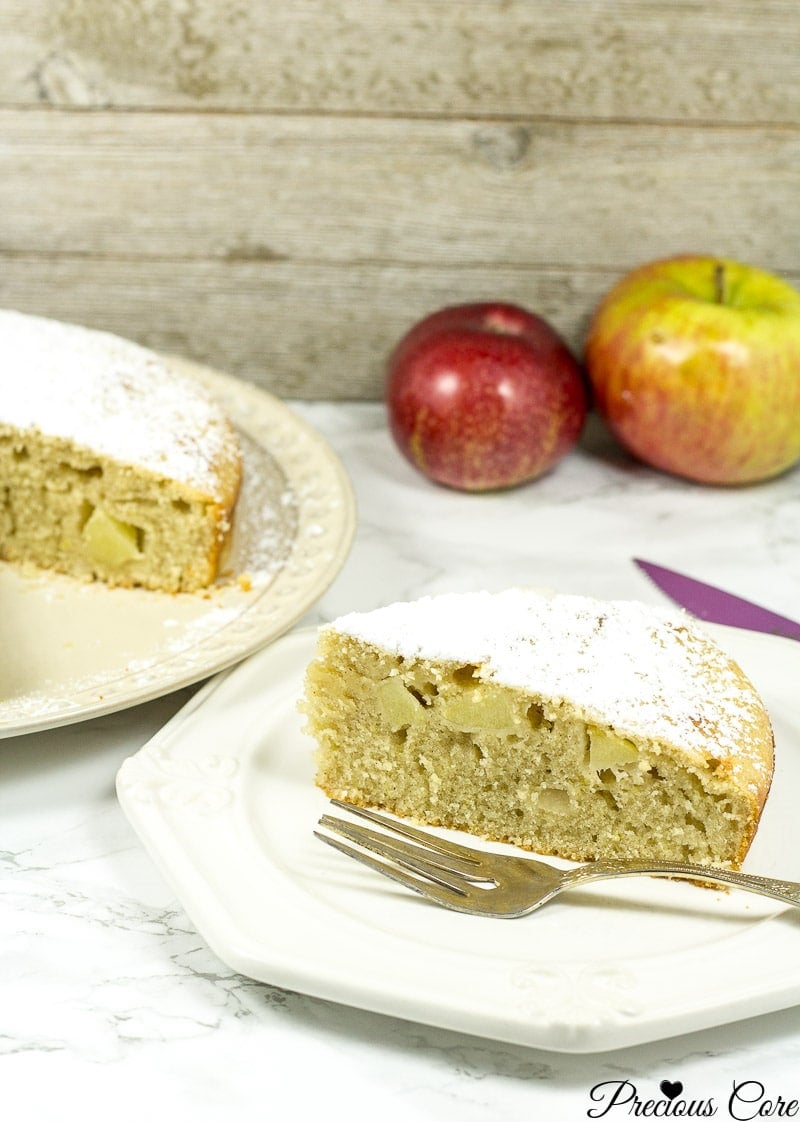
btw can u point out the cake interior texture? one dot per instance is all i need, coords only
(113, 466)
(444, 742)
(64, 508)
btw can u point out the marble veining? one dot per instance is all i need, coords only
(112, 1004)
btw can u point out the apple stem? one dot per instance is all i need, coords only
(719, 282)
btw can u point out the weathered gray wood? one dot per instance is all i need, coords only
(725, 60)
(280, 189)
(148, 185)
(298, 329)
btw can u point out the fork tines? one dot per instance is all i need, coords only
(427, 864)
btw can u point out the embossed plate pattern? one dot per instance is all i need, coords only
(223, 798)
(84, 649)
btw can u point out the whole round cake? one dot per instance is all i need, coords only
(570, 726)
(114, 465)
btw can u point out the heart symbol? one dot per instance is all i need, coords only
(671, 1090)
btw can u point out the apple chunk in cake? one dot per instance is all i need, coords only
(567, 726)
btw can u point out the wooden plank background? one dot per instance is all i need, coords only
(280, 189)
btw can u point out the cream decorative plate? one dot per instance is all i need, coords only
(224, 800)
(79, 650)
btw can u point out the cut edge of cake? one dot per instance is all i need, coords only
(115, 465)
(565, 725)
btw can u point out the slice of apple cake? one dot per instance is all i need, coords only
(112, 464)
(569, 726)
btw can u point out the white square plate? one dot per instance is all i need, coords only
(224, 800)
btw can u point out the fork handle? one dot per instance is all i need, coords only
(786, 891)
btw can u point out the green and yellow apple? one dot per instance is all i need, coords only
(695, 365)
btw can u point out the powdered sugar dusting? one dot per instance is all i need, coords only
(113, 396)
(644, 672)
(265, 525)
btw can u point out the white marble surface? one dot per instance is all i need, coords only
(111, 1005)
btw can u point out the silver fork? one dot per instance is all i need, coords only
(500, 885)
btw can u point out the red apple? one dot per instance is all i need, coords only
(482, 396)
(695, 364)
